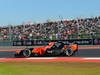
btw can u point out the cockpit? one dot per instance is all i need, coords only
(58, 45)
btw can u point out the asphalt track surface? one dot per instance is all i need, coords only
(80, 53)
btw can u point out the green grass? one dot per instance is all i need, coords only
(49, 68)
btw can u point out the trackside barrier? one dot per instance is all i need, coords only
(5, 43)
(45, 42)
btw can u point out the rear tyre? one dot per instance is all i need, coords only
(26, 53)
(69, 52)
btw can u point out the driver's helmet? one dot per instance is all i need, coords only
(57, 43)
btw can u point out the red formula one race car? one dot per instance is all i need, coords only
(53, 48)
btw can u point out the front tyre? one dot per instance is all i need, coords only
(69, 52)
(26, 53)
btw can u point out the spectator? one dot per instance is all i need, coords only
(52, 30)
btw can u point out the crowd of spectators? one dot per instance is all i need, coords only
(60, 30)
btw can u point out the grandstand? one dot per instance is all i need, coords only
(53, 30)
